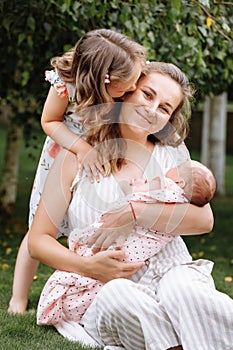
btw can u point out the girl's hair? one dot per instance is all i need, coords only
(106, 135)
(97, 53)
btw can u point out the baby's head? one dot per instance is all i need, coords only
(197, 181)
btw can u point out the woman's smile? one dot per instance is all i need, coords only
(143, 114)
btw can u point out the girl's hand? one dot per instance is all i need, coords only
(108, 265)
(115, 228)
(90, 161)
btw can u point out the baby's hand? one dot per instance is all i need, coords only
(89, 160)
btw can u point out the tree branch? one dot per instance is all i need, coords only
(223, 3)
(208, 14)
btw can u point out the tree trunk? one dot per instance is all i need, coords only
(214, 138)
(8, 189)
(205, 131)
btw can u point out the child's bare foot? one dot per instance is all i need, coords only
(17, 306)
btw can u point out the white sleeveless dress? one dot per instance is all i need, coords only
(51, 148)
(67, 295)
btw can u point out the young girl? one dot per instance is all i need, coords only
(101, 67)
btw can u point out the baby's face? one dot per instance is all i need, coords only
(174, 175)
(180, 174)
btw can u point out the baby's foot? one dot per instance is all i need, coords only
(17, 306)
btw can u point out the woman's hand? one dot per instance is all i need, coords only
(115, 228)
(108, 265)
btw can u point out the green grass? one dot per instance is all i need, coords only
(21, 332)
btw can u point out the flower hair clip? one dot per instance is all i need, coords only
(107, 78)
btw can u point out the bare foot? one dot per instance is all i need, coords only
(17, 306)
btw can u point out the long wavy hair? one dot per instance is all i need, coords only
(97, 53)
(105, 135)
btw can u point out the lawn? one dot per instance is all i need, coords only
(21, 332)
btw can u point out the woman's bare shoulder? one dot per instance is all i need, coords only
(65, 166)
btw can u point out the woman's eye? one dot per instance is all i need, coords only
(147, 94)
(164, 109)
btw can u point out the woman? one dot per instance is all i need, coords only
(160, 95)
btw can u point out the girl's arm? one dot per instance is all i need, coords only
(52, 124)
(42, 242)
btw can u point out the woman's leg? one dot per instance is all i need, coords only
(25, 269)
(127, 314)
(202, 316)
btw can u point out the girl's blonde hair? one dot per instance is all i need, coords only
(106, 135)
(97, 53)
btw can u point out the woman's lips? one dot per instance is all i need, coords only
(146, 118)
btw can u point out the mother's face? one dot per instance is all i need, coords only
(152, 104)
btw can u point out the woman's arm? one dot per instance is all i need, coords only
(174, 219)
(53, 204)
(42, 242)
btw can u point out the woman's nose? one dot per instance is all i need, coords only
(152, 109)
(154, 106)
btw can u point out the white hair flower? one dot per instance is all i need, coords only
(107, 78)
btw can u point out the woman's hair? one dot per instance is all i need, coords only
(97, 53)
(106, 136)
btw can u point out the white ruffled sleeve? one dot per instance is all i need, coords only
(53, 78)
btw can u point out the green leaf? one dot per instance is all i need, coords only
(176, 4)
(21, 38)
(203, 31)
(220, 55)
(31, 23)
(25, 78)
(151, 36)
(204, 3)
(226, 27)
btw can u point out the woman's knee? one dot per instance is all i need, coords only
(114, 293)
(178, 286)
